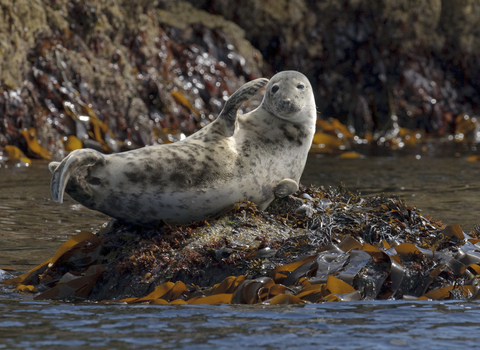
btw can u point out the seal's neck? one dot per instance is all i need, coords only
(273, 130)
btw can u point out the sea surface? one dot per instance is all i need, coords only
(359, 325)
(32, 227)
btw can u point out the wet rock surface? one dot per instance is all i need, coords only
(370, 61)
(113, 75)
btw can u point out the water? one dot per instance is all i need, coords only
(32, 227)
(360, 325)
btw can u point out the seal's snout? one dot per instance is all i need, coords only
(288, 105)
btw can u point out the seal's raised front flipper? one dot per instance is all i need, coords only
(64, 170)
(285, 188)
(229, 112)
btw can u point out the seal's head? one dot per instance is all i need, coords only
(287, 96)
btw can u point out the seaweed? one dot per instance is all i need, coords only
(319, 245)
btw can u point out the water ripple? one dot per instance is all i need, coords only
(355, 325)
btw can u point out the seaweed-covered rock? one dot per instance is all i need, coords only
(373, 64)
(115, 74)
(319, 245)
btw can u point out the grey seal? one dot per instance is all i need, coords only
(255, 156)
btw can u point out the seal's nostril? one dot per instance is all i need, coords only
(286, 103)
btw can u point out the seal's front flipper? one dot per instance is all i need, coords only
(285, 188)
(229, 112)
(64, 170)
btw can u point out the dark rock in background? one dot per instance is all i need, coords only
(371, 60)
(119, 74)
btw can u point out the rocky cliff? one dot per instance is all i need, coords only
(111, 75)
(371, 60)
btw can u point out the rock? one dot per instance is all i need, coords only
(377, 67)
(351, 248)
(22, 21)
(373, 65)
(459, 24)
(75, 68)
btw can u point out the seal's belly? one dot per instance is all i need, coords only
(148, 208)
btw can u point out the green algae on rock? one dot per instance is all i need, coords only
(318, 245)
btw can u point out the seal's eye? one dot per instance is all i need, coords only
(275, 88)
(300, 86)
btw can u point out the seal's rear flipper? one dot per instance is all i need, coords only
(52, 166)
(229, 112)
(64, 170)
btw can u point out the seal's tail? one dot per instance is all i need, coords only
(64, 170)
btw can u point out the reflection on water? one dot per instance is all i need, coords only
(32, 226)
(360, 325)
